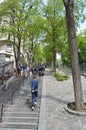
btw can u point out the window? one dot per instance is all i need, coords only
(9, 48)
(7, 58)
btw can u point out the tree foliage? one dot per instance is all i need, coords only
(19, 21)
(81, 41)
(34, 23)
(53, 12)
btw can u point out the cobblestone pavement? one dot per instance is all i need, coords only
(58, 94)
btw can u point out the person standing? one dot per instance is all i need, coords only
(34, 91)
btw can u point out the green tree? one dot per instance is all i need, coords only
(48, 54)
(34, 36)
(17, 17)
(53, 12)
(38, 57)
(79, 101)
(81, 41)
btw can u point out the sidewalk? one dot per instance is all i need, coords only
(55, 95)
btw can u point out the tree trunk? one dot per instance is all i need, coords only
(54, 58)
(14, 49)
(79, 101)
(54, 50)
(18, 51)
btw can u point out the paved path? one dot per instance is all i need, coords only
(55, 95)
(58, 94)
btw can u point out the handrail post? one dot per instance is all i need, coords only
(18, 87)
(12, 98)
(23, 80)
(1, 113)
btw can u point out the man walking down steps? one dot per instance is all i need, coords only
(34, 91)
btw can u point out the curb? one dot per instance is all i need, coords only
(42, 116)
(77, 113)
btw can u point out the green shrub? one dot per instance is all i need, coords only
(60, 77)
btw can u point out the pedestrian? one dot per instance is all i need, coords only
(34, 91)
(19, 69)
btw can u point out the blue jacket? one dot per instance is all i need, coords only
(34, 84)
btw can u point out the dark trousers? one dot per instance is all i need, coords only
(34, 97)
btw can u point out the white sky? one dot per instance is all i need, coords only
(1, 1)
(83, 26)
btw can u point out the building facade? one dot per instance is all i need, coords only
(6, 52)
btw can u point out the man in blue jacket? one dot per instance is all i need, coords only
(34, 91)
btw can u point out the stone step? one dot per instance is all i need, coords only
(24, 101)
(19, 119)
(22, 109)
(22, 104)
(15, 129)
(27, 105)
(21, 114)
(19, 125)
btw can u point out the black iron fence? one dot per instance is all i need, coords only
(68, 69)
(83, 68)
(6, 71)
(8, 95)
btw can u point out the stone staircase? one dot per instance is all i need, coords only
(19, 115)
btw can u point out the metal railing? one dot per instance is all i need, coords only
(6, 71)
(68, 70)
(83, 68)
(8, 95)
